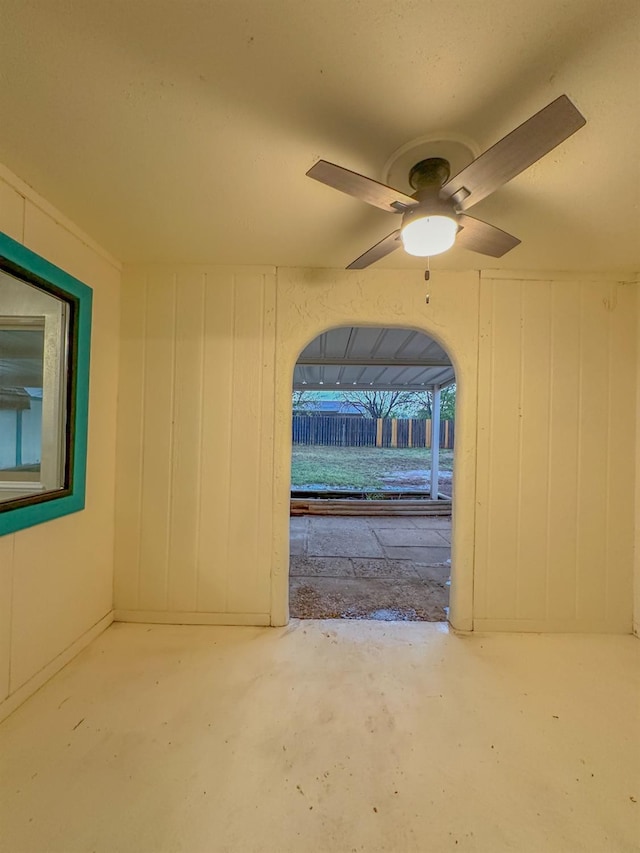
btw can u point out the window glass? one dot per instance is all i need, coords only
(21, 373)
(34, 331)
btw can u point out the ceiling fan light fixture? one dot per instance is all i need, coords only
(432, 215)
(426, 236)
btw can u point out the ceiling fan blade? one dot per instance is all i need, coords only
(479, 236)
(514, 153)
(360, 187)
(387, 245)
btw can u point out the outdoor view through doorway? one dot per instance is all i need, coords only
(371, 486)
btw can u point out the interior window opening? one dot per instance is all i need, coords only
(45, 345)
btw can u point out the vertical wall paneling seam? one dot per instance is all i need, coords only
(521, 403)
(232, 368)
(549, 449)
(478, 559)
(490, 454)
(261, 408)
(142, 424)
(482, 560)
(272, 443)
(274, 571)
(475, 403)
(576, 576)
(613, 298)
(172, 454)
(636, 492)
(114, 490)
(203, 313)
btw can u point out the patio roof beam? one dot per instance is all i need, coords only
(355, 361)
(361, 386)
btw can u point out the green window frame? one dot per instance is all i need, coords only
(27, 511)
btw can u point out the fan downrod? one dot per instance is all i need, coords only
(433, 172)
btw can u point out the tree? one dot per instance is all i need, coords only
(383, 404)
(424, 413)
(447, 404)
(301, 400)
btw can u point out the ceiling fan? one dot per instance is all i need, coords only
(433, 218)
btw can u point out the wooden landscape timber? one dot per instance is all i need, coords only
(351, 506)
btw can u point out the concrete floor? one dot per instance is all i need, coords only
(383, 568)
(328, 737)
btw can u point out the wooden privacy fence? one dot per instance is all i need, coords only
(349, 431)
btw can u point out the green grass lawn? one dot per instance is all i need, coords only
(362, 467)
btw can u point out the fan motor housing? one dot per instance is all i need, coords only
(430, 204)
(434, 171)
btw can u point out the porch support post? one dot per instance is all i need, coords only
(435, 443)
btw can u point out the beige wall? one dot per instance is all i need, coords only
(56, 578)
(544, 521)
(556, 413)
(195, 446)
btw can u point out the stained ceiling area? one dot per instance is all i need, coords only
(182, 131)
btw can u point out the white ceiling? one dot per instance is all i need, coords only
(182, 131)
(368, 358)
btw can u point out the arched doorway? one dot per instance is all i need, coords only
(371, 487)
(310, 302)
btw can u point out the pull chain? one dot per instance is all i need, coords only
(427, 276)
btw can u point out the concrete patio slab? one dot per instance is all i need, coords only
(380, 522)
(410, 537)
(343, 543)
(297, 542)
(439, 574)
(432, 522)
(428, 556)
(339, 523)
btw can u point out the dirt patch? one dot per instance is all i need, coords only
(368, 598)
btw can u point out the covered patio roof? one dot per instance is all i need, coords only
(374, 358)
